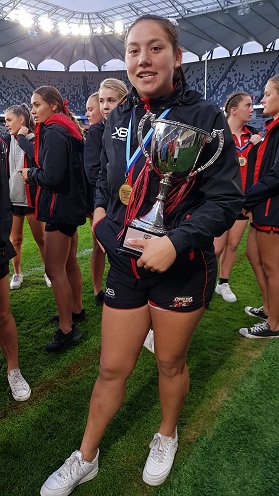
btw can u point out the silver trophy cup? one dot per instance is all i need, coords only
(175, 149)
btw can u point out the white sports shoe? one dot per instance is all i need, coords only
(20, 388)
(149, 341)
(225, 291)
(73, 472)
(47, 280)
(16, 281)
(160, 459)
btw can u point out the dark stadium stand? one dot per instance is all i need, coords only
(245, 72)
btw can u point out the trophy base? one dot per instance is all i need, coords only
(133, 232)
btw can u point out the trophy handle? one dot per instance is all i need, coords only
(215, 133)
(152, 118)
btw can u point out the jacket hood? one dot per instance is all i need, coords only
(181, 94)
(65, 121)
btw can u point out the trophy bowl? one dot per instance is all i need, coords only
(175, 150)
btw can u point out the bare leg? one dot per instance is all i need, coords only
(254, 258)
(57, 250)
(173, 332)
(8, 331)
(220, 244)
(123, 333)
(268, 243)
(74, 275)
(37, 229)
(227, 259)
(97, 266)
(16, 240)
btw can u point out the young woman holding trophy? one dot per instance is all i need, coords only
(171, 279)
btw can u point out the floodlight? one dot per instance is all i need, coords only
(63, 28)
(85, 30)
(75, 29)
(45, 23)
(25, 18)
(107, 29)
(99, 30)
(118, 27)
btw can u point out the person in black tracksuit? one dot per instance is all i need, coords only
(111, 91)
(61, 203)
(8, 331)
(173, 280)
(262, 201)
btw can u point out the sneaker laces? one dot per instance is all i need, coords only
(261, 327)
(17, 382)
(159, 448)
(71, 467)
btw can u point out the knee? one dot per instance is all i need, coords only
(108, 373)
(233, 244)
(16, 241)
(5, 316)
(171, 368)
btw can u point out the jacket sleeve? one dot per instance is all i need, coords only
(92, 153)
(26, 145)
(102, 189)
(220, 185)
(267, 186)
(55, 162)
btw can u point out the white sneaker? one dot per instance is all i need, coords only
(16, 281)
(225, 291)
(149, 341)
(160, 459)
(73, 472)
(20, 388)
(47, 280)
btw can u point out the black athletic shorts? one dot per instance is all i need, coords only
(186, 286)
(67, 229)
(4, 270)
(21, 211)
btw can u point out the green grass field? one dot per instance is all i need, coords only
(228, 429)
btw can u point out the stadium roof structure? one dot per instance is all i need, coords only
(203, 25)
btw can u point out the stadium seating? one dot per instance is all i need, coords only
(225, 75)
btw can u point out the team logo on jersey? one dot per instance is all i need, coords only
(110, 293)
(120, 133)
(181, 301)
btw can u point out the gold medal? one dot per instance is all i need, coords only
(125, 191)
(242, 161)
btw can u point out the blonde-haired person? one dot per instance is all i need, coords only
(238, 109)
(111, 91)
(20, 153)
(61, 203)
(262, 204)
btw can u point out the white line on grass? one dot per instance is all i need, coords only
(40, 268)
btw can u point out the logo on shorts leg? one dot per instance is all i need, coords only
(110, 293)
(181, 301)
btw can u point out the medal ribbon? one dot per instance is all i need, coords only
(130, 161)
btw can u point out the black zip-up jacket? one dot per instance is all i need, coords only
(6, 248)
(61, 197)
(263, 197)
(215, 200)
(28, 147)
(92, 159)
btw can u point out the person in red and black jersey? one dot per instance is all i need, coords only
(61, 203)
(238, 109)
(262, 202)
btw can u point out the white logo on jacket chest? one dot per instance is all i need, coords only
(120, 133)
